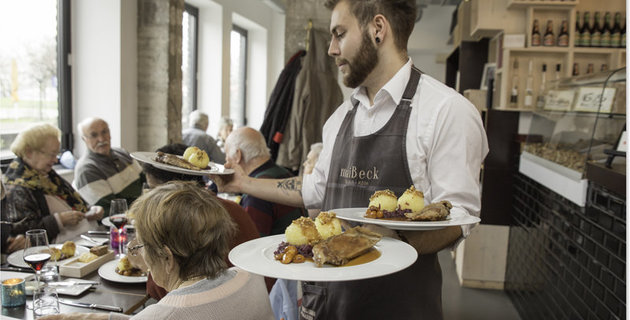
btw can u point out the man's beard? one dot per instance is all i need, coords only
(364, 61)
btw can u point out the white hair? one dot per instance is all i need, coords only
(251, 146)
(316, 148)
(198, 119)
(81, 126)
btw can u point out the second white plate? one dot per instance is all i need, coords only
(357, 215)
(256, 256)
(147, 157)
(108, 272)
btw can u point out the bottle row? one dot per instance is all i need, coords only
(531, 100)
(597, 34)
(549, 39)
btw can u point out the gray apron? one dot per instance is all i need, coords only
(360, 166)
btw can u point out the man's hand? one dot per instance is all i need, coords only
(95, 213)
(71, 218)
(16, 243)
(230, 183)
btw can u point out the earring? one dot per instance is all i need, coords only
(378, 40)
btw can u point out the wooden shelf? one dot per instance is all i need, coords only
(548, 4)
(540, 49)
(597, 50)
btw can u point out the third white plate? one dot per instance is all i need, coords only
(357, 215)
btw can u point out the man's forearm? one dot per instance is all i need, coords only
(284, 191)
(432, 241)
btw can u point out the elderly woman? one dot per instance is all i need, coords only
(37, 195)
(226, 125)
(191, 265)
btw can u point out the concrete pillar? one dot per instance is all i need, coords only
(159, 72)
(298, 13)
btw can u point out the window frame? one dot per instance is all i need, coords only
(244, 33)
(194, 11)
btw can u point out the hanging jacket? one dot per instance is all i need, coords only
(317, 95)
(280, 102)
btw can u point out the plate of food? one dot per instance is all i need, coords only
(122, 271)
(60, 254)
(179, 164)
(407, 212)
(354, 254)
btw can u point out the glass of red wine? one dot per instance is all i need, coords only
(36, 251)
(117, 210)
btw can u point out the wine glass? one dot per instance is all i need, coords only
(36, 251)
(117, 217)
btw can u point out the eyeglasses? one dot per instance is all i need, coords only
(133, 251)
(50, 155)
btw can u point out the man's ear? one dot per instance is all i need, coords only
(238, 156)
(379, 27)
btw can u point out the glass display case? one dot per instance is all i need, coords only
(577, 119)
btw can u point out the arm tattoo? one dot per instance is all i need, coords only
(291, 184)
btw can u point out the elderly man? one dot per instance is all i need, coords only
(196, 136)
(105, 173)
(246, 148)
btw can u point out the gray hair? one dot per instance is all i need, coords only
(86, 123)
(33, 138)
(198, 119)
(225, 121)
(251, 143)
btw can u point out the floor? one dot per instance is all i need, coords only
(459, 303)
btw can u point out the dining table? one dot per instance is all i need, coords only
(131, 297)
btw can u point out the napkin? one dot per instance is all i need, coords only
(89, 244)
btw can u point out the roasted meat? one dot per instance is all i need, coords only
(340, 249)
(433, 212)
(174, 160)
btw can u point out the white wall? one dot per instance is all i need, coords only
(104, 68)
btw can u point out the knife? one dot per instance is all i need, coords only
(98, 232)
(90, 305)
(17, 269)
(72, 283)
(88, 238)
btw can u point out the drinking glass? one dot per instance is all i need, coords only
(45, 302)
(117, 217)
(36, 251)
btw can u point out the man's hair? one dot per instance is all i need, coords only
(167, 176)
(198, 119)
(86, 122)
(34, 138)
(190, 222)
(251, 146)
(401, 15)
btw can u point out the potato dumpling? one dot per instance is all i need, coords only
(199, 159)
(189, 151)
(384, 199)
(68, 249)
(302, 231)
(123, 264)
(327, 224)
(55, 254)
(411, 199)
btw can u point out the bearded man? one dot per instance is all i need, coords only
(105, 173)
(408, 127)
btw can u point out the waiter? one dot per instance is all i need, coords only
(399, 128)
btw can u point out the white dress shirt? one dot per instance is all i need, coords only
(446, 142)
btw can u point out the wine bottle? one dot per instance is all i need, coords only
(563, 36)
(596, 32)
(589, 68)
(604, 67)
(585, 32)
(576, 69)
(536, 34)
(606, 31)
(529, 94)
(540, 100)
(548, 38)
(615, 35)
(514, 92)
(577, 40)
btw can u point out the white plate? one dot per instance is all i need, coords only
(357, 214)
(147, 157)
(109, 224)
(16, 259)
(74, 290)
(256, 256)
(108, 272)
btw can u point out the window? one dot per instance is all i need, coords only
(238, 75)
(33, 68)
(189, 61)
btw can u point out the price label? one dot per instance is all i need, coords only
(589, 99)
(559, 100)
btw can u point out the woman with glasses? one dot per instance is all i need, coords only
(37, 197)
(183, 235)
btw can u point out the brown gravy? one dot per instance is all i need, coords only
(371, 255)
